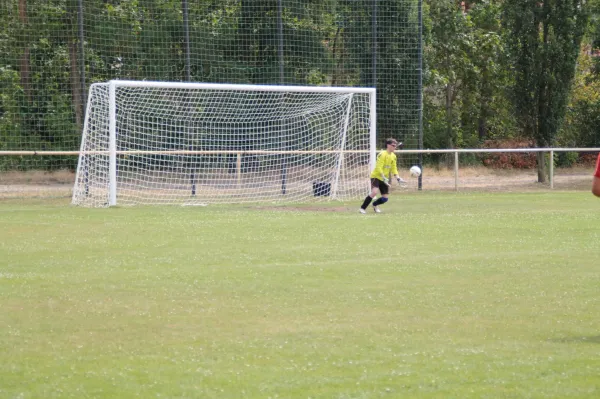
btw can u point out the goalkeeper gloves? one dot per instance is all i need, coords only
(386, 181)
(400, 180)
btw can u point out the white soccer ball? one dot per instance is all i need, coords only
(415, 171)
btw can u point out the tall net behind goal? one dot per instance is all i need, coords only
(196, 144)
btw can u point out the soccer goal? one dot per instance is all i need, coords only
(197, 144)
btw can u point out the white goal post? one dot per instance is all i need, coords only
(195, 143)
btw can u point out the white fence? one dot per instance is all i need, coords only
(37, 181)
(456, 153)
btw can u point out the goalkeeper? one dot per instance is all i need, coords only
(386, 163)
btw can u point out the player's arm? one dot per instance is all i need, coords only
(394, 167)
(596, 181)
(395, 172)
(400, 180)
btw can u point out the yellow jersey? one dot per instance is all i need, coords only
(386, 163)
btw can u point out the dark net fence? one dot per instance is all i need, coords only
(52, 50)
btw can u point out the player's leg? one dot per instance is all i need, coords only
(382, 200)
(375, 188)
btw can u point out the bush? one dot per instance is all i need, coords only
(565, 159)
(509, 160)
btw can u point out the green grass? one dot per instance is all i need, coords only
(443, 296)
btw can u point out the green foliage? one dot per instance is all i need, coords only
(36, 103)
(397, 49)
(544, 41)
(467, 75)
(565, 159)
(10, 122)
(594, 33)
(448, 49)
(582, 120)
(500, 71)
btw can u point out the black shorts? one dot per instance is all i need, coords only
(383, 188)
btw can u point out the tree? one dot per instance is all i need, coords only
(397, 55)
(24, 67)
(398, 101)
(594, 32)
(491, 116)
(450, 62)
(465, 100)
(544, 41)
(70, 19)
(582, 122)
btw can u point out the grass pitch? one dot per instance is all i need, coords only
(442, 296)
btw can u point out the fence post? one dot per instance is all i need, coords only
(186, 39)
(81, 57)
(420, 91)
(456, 170)
(551, 169)
(280, 41)
(374, 43)
(238, 169)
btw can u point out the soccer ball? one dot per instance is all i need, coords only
(415, 171)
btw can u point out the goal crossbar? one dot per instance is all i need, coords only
(249, 152)
(238, 87)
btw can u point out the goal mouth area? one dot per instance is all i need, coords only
(159, 136)
(252, 177)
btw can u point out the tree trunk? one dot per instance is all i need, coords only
(449, 113)
(334, 55)
(541, 167)
(484, 109)
(449, 119)
(482, 128)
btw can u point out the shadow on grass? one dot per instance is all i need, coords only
(570, 340)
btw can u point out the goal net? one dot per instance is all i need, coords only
(197, 144)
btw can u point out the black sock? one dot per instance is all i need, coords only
(366, 202)
(378, 202)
